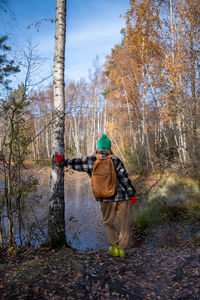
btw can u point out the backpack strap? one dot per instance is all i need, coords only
(98, 156)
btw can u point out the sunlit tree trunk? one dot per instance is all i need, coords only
(105, 114)
(77, 133)
(56, 225)
(129, 112)
(37, 139)
(145, 135)
(93, 133)
(33, 150)
(47, 137)
(193, 77)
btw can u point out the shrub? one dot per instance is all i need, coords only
(136, 161)
(175, 200)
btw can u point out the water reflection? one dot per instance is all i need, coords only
(84, 227)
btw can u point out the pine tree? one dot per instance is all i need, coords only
(7, 66)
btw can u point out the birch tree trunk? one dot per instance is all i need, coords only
(47, 137)
(56, 225)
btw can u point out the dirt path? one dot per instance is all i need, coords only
(70, 274)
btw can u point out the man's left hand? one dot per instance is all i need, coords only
(132, 200)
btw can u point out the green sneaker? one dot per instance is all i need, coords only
(113, 250)
(121, 252)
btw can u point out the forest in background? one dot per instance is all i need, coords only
(145, 97)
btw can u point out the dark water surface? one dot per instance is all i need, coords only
(84, 228)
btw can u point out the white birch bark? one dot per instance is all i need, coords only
(145, 136)
(77, 133)
(94, 125)
(33, 150)
(36, 140)
(105, 114)
(180, 139)
(47, 137)
(56, 226)
(129, 113)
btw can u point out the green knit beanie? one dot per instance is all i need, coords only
(104, 143)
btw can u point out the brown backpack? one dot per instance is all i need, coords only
(104, 178)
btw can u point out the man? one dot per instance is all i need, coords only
(115, 206)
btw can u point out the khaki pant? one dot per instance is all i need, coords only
(120, 210)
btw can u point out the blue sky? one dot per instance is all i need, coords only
(93, 28)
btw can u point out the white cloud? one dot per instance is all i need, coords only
(84, 43)
(94, 32)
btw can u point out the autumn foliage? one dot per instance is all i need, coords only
(154, 83)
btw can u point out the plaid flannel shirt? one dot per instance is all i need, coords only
(125, 189)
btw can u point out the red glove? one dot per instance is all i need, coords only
(132, 200)
(58, 158)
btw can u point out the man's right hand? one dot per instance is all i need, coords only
(58, 158)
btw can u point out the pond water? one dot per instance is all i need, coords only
(84, 227)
